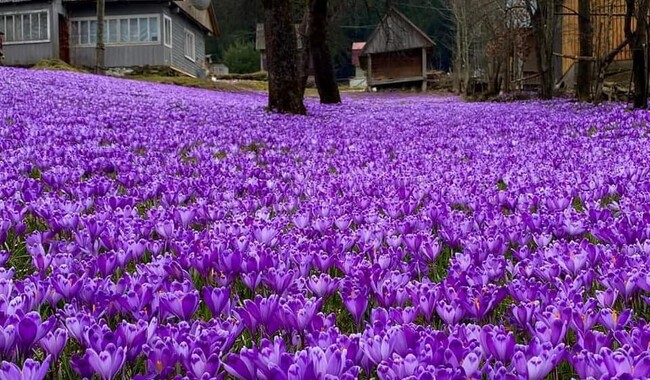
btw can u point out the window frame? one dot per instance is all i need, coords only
(22, 14)
(119, 19)
(189, 33)
(169, 35)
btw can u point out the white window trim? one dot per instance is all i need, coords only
(187, 31)
(171, 31)
(118, 44)
(49, 24)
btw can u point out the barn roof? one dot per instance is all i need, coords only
(206, 18)
(260, 42)
(396, 32)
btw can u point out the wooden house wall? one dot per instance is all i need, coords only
(603, 28)
(387, 67)
(30, 53)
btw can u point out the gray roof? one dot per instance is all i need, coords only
(396, 32)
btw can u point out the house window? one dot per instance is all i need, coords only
(190, 48)
(167, 29)
(25, 27)
(118, 30)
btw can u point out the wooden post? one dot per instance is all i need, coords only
(424, 69)
(99, 58)
(369, 73)
(2, 55)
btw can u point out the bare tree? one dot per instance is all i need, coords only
(605, 52)
(638, 10)
(543, 18)
(585, 30)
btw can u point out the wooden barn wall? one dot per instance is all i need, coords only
(390, 66)
(607, 33)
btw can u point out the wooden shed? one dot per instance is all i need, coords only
(260, 43)
(608, 23)
(396, 52)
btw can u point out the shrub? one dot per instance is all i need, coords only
(242, 58)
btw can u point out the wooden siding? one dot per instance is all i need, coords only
(395, 66)
(25, 54)
(179, 61)
(203, 17)
(119, 55)
(608, 32)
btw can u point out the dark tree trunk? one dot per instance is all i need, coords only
(494, 78)
(543, 17)
(285, 93)
(585, 30)
(637, 41)
(304, 55)
(328, 90)
(540, 47)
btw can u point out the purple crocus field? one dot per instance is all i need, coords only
(158, 232)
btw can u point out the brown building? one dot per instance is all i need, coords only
(608, 22)
(396, 52)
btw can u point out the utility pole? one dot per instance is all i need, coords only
(99, 58)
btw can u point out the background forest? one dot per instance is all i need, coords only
(351, 21)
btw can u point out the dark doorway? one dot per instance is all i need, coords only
(64, 39)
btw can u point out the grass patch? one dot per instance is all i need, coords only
(206, 84)
(577, 204)
(462, 207)
(609, 199)
(56, 64)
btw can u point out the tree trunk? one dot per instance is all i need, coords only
(494, 77)
(639, 63)
(304, 55)
(458, 88)
(637, 41)
(328, 90)
(99, 56)
(585, 30)
(543, 18)
(281, 49)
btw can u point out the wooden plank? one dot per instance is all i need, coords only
(614, 29)
(369, 71)
(379, 82)
(424, 69)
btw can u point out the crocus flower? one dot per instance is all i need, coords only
(30, 329)
(451, 313)
(536, 367)
(217, 300)
(32, 370)
(356, 301)
(108, 362)
(180, 304)
(54, 341)
(498, 344)
(614, 320)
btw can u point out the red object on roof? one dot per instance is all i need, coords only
(357, 47)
